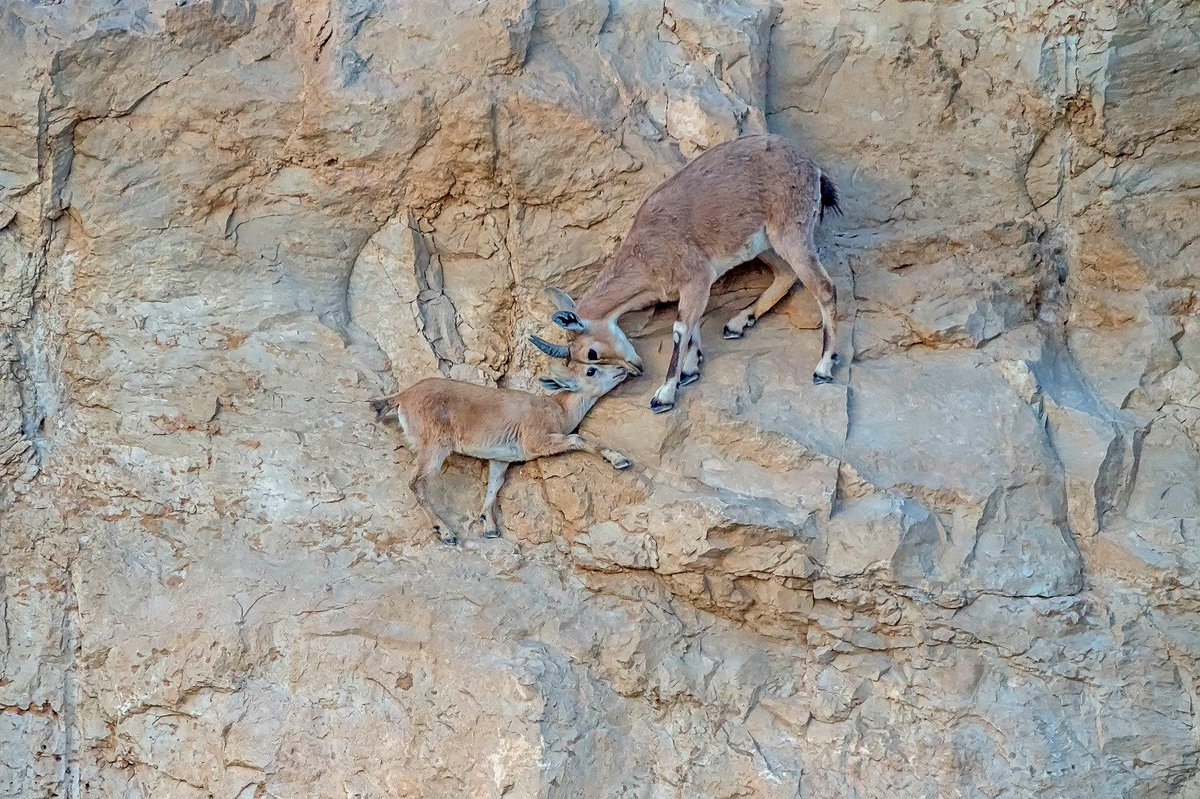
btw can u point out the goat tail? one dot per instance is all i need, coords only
(384, 407)
(829, 196)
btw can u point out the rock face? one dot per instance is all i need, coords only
(965, 569)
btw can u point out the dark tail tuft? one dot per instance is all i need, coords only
(380, 406)
(829, 196)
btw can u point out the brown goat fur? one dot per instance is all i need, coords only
(502, 426)
(756, 196)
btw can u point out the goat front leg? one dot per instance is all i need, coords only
(690, 372)
(427, 465)
(555, 444)
(487, 517)
(692, 301)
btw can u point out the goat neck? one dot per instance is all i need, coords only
(574, 405)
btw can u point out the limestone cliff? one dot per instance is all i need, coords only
(966, 569)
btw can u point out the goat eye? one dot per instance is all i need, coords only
(592, 355)
(591, 372)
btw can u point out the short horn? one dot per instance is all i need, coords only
(553, 350)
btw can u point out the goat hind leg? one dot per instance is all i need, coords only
(784, 279)
(826, 294)
(487, 517)
(802, 254)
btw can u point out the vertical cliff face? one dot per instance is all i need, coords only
(964, 569)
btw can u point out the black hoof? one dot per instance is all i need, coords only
(728, 332)
(835, 358)
(819, 379)
(624, 463)
(491, 533)
(687, 378)
(661, 407)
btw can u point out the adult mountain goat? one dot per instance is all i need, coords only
(754, 196)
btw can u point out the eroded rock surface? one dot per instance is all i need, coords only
(967, 568)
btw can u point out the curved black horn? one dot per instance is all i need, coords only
(553, 350)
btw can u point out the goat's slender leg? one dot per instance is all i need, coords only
(487, 516)
(784, 279)
(554, 443)
(797, 247)
(429, 463)
(693, 299)
(690, 372)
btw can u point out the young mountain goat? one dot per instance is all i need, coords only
(754, 196)
(502, 426)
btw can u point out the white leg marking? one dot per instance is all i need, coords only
(740, 323)
(824, 368)
(664, 398)
(617, 460)
(666, 393)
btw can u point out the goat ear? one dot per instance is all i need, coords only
(561, 299)
(553, 384)
(568, 320)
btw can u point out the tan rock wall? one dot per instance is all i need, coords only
(966, 569)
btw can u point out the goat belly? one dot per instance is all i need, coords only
(499, 451)
(752, 246)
